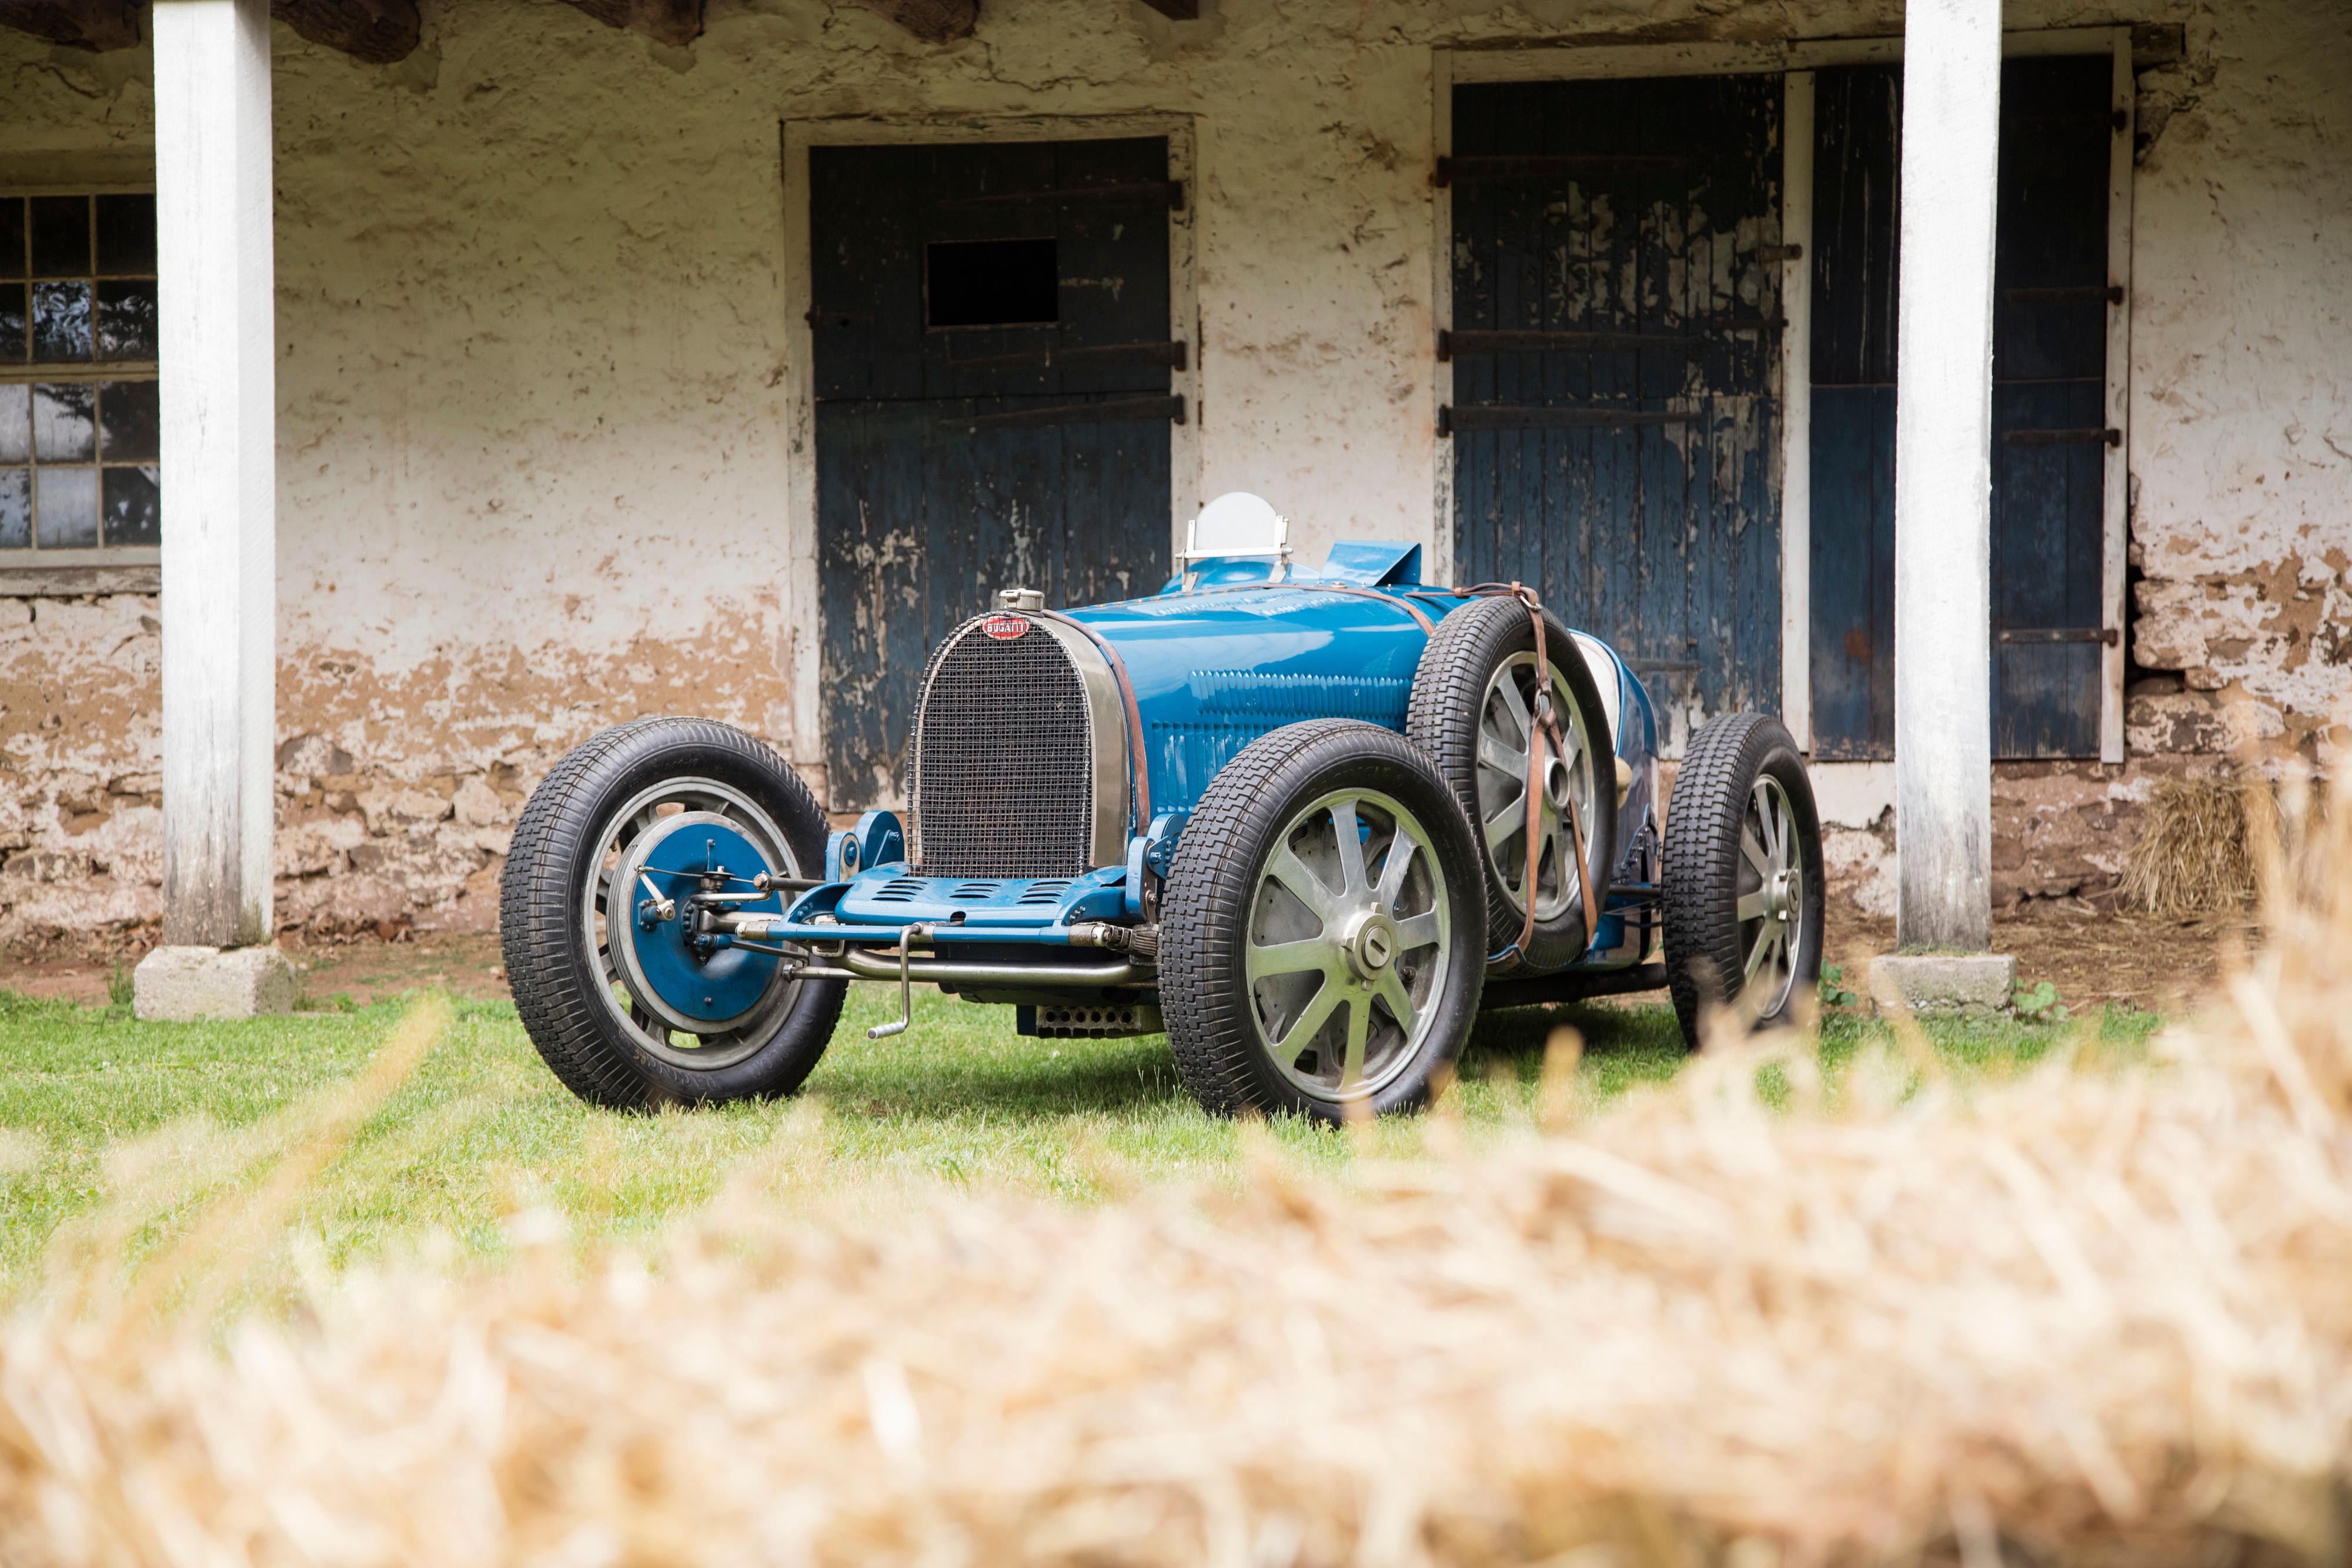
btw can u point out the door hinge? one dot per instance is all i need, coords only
(1170, 354)
(2113, 293)
(2105, 634)
(2110, 437)
(1489, 416)
(1133, 194)
(1465, 171)
(1114, 411)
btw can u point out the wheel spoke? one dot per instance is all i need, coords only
(1400, 866)
(1360, 1028)
(1348, 833)
(1290, 957)
(1310, 1019)
(1400, 1002)
(1507, 688)
(1304, 885)
(1509, 820)
(1496, 753)
(1418, 932)
(1753, 906)
(1756, 955)
(1753, 851)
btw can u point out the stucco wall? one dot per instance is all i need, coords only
(533, 433)
(2242, 387)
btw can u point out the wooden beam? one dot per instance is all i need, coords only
(93, 25)
(380, 32)
(933, 21)
(675, 21)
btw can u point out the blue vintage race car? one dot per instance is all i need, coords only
(1308, 825)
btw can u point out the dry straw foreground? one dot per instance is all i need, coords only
(2097, 1314)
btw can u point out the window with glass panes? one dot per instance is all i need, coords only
(78, 409)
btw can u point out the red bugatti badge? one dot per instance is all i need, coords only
(1005, 627)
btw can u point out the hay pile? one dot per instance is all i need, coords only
(2196, 849)
(2093, 1314)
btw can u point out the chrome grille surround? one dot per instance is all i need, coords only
(1018, 765)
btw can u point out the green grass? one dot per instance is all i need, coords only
(482, 1131)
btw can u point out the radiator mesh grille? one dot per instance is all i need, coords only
(1004, 764)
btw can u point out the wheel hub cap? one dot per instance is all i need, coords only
(1369, 942)
(691, 985)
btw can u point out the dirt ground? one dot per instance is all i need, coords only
(2090, 954)
(465, 964)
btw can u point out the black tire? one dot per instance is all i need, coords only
(1732, 761)
(614, 1054)
(1236, 1038)
(1451, 695)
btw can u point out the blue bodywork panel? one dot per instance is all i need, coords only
(1244, 650)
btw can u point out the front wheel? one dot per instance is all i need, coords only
(1321, 942)
(626, 1001)
(1743, 875)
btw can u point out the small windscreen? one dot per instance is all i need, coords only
(992, 283)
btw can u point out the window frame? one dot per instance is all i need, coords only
(32, 571)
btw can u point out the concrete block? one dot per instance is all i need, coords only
(180, 984)
(1976, 984)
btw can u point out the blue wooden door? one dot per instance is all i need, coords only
(2050, 304)
(1850, 434)
(992, 404)
(1615, 342)
(2051, 301)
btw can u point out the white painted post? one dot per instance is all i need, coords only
(1797, 408)
(218, 354)
(1942, 474)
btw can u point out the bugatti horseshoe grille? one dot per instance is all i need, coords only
(1003, 757)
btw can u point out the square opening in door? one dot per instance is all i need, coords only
(992, 283)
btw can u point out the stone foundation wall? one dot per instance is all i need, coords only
(2061, 830)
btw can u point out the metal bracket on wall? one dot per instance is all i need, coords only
(1119, 411)
(1488, 417)
(2108, 635)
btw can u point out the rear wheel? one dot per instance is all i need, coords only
(1743, 875)
(1321, 944)
(1473, 712)
(622, 1000)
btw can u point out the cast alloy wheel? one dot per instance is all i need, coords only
(1772, 907)
(1347, 942)
(1507, 729)
(1319, 938)
(1742, 874)
(1472, 712)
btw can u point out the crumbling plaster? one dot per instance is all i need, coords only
(2242, 383)
(534, 445)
